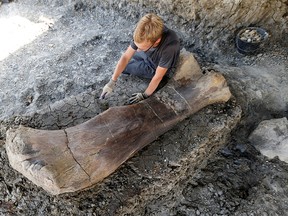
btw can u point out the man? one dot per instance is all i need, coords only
(152, 54)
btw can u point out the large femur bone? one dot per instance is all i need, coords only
(78, 157)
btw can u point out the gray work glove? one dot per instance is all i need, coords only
(137, 97)
(108, 88)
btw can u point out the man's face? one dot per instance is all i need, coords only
(144, 46)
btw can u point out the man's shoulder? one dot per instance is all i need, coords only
(170, 34)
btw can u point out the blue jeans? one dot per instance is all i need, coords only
(140, 65)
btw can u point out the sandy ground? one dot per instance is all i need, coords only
(52, 77)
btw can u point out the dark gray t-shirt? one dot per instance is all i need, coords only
(167, 52)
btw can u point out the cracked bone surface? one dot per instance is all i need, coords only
(78, 157)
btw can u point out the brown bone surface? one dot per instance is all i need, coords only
(78, 157)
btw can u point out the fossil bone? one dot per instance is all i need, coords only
(78, 157)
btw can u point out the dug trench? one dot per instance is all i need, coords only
(54, 83)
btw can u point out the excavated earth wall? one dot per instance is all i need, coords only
(212, 23)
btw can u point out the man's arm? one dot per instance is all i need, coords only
(156, 79)
(159, 74)
(122, 63)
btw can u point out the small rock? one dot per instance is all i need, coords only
(271, 138)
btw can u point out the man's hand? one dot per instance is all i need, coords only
(137, 97)
(108, 88)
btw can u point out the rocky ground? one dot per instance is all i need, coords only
(54, 81)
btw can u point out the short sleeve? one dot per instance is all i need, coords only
(170, 55)
(133, 45)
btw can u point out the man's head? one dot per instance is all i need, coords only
(148, 30)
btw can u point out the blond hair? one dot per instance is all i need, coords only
(149, 28)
